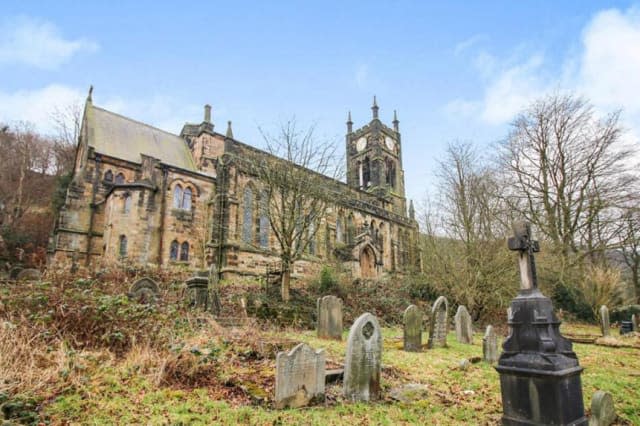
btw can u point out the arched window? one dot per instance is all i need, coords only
(177, 197)
(186, 199)
(173, 250)
(350, 229)
(391, 173)
(119, 179)
(247, 217)
(108, 176)
(263, 226)
(366, 173)
(339, 229)
(184, 252)
(127, 204)
(122, 246)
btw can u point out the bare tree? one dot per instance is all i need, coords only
(298, 190)
(565, 171)
(67, 122)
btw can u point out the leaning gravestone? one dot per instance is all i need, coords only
(299, 376)
(438, 323)
(144, 291)
(412, 329)
(29, 274)
(604, 320)
(464, 329)
(490, 346)
(363, 361)
(330, 317)
(13, 272)
(603, 412)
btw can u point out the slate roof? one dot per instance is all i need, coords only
(121, 137)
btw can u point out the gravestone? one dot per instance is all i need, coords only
(299, 376)
(603, 412)
(29, 274)
(635, 322)
(438, 323)
(198, 290)
(363, 361)
(490, 346)
(539, 372)
(604, 321)
(144, 291)
(464, 328)
(13, 272)
(330, 317)
(412, 318)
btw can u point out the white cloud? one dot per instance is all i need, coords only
(37, 43)
(605, 69)
(38, 106)
(468, 43)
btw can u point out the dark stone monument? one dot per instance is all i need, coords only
(539, 372)
(198, 290)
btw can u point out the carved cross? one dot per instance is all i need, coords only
(526, 246)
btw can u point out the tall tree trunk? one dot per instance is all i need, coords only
(286, 279)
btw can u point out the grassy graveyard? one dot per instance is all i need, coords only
(80, 352)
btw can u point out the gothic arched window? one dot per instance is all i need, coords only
(173, 250)
(108, 176)
(390, 176)
(339, 229)
(127, 204)
(247, 216)
(186, 199)
(263, 226)
(122, 246)
(184, 252)
(119, 179)
(177, 196)
(366, 173)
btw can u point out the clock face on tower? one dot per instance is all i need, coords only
(389, 142)
(361, 144)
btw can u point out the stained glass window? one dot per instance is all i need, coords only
(184, 252)
(173, 250)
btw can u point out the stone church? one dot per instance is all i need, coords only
(144, 196)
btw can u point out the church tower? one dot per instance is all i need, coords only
(374, 160)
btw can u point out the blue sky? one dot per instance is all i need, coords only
(453, 70)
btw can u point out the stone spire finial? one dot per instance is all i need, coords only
(375, 108)
(412, 211)
(207, 113)
(229, 130)
(396, 123)
(90, 95)
(349, 123)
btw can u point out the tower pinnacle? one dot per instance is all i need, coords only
(349, 123)
(395, 121)
(375, 108)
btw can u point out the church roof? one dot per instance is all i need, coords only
(121, 137)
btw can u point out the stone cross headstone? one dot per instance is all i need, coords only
(438, 323)
(604, 321)
(329, 317)
(144, 291)
(539, 372)
(635, 323)
(603, 412)
(299, 376)
(363, 361)
(464, 328)
(526, 247)
(412, 318)
(490, 346)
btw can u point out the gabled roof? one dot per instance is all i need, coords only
(121, 137)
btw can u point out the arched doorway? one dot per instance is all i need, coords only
(367, 263)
